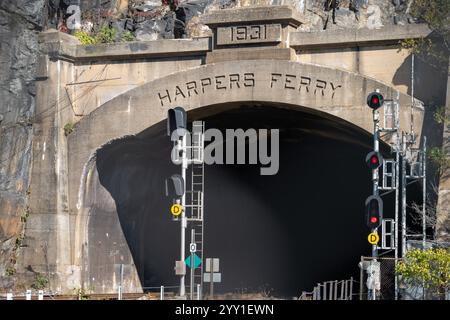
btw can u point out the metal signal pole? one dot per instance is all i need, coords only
(424, 192)
(184, 166)
(375, 178)
(192, 266)
(397, 178)
(374, 204)
(403, 193)
(397, 191)
(376, 148)
(177, 120)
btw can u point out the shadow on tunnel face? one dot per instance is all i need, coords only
(280, 234)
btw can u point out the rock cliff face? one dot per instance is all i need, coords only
(20, 21)
(166, 19)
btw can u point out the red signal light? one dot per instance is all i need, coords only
(374, 211)
(374, 159)
(375, 100)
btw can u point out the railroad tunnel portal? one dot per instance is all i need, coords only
(100, 159)
(263, 228)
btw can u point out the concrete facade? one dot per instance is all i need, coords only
(89, 96)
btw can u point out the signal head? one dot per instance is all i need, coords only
(374, 160)
(175, 186)
(375, 100)
(176, 119)
(374, 211)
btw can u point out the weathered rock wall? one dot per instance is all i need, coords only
(20, 22)
(168, 19)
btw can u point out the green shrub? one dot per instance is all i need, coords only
(440, 160)
(40, 282)
(429, 268)
(25, 215)
(436, 14)
(82, 293)
(128, 36)
(19, 241)
(440, 116)
(10, 271)
(85, 38)
(68, 128)
(107, 35)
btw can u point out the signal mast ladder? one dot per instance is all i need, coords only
(195, 195)
(389, 173)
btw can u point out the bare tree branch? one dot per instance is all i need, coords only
(431, 209)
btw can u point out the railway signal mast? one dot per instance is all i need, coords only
(176, 129)
(374, 204)
(394, 178)
(188, 150)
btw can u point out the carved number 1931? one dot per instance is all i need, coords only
(245, 33)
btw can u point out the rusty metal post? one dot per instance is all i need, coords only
(211, 280)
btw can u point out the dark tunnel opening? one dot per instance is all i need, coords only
(283, 233)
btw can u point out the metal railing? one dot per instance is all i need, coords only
(152, 293)
(330, 290)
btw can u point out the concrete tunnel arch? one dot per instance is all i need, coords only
(134, 106)
(101, 197)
